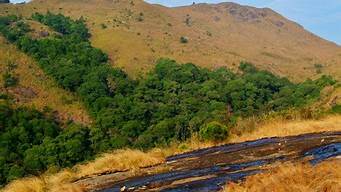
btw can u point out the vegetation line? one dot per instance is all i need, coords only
(170, 103)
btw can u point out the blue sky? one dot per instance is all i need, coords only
(322, 17)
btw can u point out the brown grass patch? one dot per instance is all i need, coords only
(120, 160)
(43, 91)
(280, 127)
(134, 45)
(298, 177)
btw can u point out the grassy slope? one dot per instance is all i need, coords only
(216, 36)
(36, 89)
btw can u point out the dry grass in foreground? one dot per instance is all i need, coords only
(120, 160)
(325, 177)
(281, 128)
(133, 160)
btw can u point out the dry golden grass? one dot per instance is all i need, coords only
(325, 177)
(216, 38)
(26, 185)
(121, 160)
(280, 127)
(45, 91)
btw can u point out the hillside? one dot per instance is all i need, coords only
(35, 89)
(53, 60)
(135, 34)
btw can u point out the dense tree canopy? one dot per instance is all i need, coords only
(169, 103)
(31, 141)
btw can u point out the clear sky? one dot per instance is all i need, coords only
(322, 17)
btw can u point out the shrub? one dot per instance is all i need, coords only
(214, 131)
(103, 26)
(183, 39)
(336, 109)
(140, 18)
(318, 68)
(9, 80)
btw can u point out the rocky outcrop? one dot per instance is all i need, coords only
(209, 169)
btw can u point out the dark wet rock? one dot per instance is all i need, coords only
(211, 184)
(322, 153)
(209, 169)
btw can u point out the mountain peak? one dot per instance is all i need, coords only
(135, 34)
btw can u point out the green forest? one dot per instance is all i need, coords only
(170, 103)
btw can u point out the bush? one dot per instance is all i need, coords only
(183, 39)
(336, 109)
(103, 26)
(214, 131)
(9, 80)
(318, 68)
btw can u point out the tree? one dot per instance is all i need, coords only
(214, 131)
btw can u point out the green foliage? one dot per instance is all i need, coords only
(247, 67)
(214, 131)
(31, 141)
(170, 103)
(318, 68)
(64, 25)
(19, 130)
(183, 40)
(336, 109)
(9, 80)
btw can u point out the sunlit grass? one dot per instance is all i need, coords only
(46, 93)
(296, 177)
(120, 160)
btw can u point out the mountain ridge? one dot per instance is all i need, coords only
(135, 34)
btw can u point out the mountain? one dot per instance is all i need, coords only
(86, 107)
(135, 34)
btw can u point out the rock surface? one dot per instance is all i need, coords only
(209, 169)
